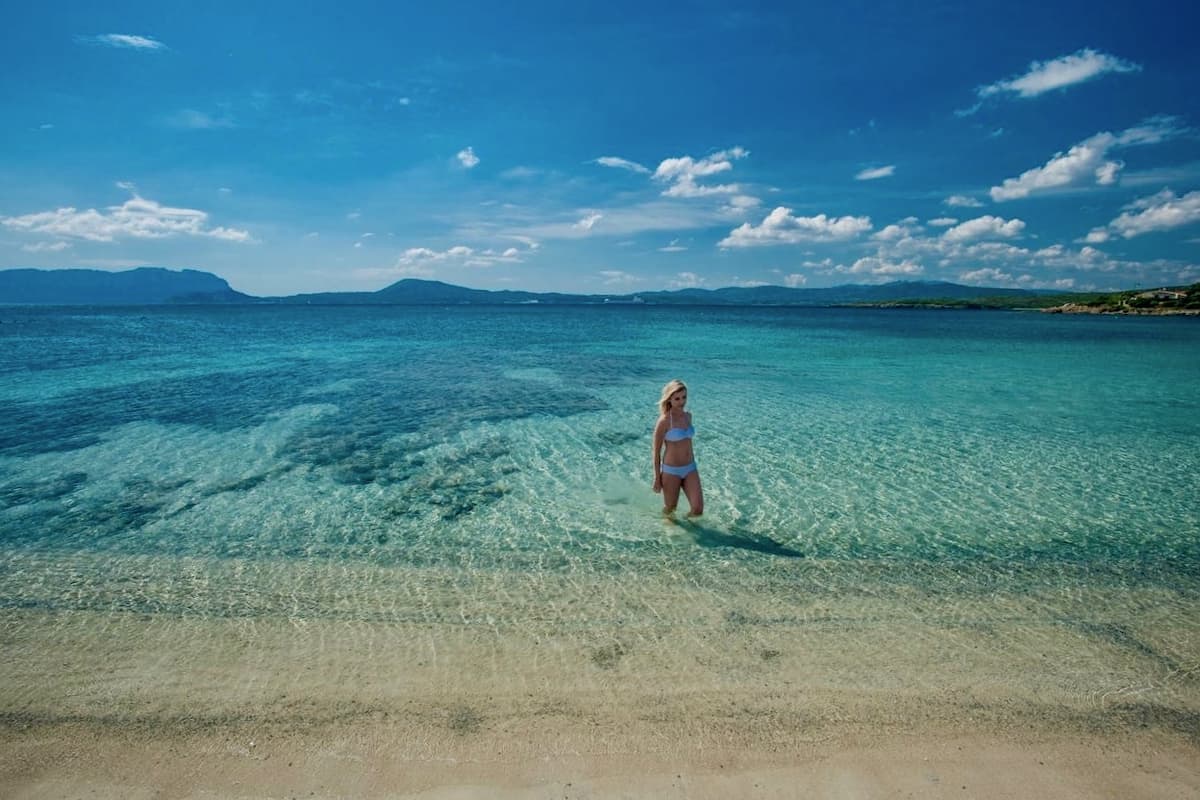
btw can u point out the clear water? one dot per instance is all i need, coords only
(1029, 474)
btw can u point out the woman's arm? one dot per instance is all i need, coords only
(660, 430)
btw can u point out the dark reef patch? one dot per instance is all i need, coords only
(40, 490)
(220, 401)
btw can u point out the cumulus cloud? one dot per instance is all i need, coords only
(899, 230)
(467, 157)
(673, 247)
(683, 172)
(1059, 73)
(873, 265)
(622, 163)
(782, 227)
(1082, 163)
(741, 204)
(1158, 212)
(136, 218)
(1053, 266)
(943, 222)
(985, 227)
(876, 173)
(1086, 162)
(795, 280)
(687, 187)
(123, 40)
(987, 275)
(423, 260)
(962, 201)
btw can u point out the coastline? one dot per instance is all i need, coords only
(815, 677)
(1074, 308)
(543, 755)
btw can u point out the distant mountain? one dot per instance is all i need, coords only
(411, 291)
(154, 285)
(834, 295)
(142, 286)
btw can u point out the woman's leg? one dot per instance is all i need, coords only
(670, 487)
(695, 494)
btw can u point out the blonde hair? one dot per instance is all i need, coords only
(664, 402)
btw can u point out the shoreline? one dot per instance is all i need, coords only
(833, 693)
(1072, 308)
(543, 749)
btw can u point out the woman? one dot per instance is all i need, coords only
(675, 469)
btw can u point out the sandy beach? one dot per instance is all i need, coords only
(614, 688)
(367, 759)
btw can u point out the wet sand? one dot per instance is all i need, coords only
(750, 745)
(804, 679)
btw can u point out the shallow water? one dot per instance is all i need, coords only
(1020, 482)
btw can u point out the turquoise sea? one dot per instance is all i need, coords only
(959, 496)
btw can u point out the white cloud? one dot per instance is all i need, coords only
(467, 157)
(986, 275)
(781, 227)
(673, 247)
(1083, 162)
(682, 173)
(124, 40)
(1086, 162)
(422, 260)
(686, 280)
(687, 187)
(873, 265)
(943, 222)
(46, 247)
(962, 201)
(899, 230)
(1047, 267)
(589, 221)
(985, 227)
(795, 280)
(1154, 130)
(741, 204)
(1159, 212)
(136, 218)
(1059, 73)
(876, 173)
(613, 277)
(622, 163)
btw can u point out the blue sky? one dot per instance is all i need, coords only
(605, 147)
